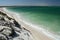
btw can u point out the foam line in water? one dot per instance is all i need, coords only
(46, 32)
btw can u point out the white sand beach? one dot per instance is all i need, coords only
(37, 33)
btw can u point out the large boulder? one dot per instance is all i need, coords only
(10, 29)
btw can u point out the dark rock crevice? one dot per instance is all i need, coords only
(11, 30)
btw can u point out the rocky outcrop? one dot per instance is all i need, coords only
(10, 29)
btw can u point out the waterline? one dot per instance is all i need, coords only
(46, 32)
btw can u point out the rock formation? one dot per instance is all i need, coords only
(10, 29)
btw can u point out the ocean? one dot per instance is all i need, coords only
(46, 16)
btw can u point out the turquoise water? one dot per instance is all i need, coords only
(49, 17)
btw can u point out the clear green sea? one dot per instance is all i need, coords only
(48, 16)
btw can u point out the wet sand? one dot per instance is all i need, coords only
(36, 35)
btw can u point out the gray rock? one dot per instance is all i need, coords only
(10, 29)
(6, 30)
(2, 37)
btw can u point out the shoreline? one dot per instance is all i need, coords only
(37, 31)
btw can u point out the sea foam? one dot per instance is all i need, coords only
(46, 32)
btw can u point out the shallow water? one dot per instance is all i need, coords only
(49, 17)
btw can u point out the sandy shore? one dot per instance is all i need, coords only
(37, 35)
